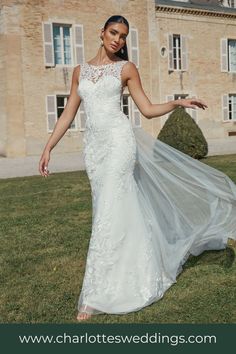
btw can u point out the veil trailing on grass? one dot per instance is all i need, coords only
(188, 206)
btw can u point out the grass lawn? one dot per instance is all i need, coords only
(45, 227)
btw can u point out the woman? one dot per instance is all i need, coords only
(152, 204)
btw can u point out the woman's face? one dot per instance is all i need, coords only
(114, 37)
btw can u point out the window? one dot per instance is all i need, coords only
(229, 107)
(55, 105)
(62, 44)
(131, 110)
(232, 107)
(228, 55)
(191, 111)
(177, 58)
(125, 105)
(232, 3)
(176, 52)
(178, 96)
(61, 103)
(232, 55)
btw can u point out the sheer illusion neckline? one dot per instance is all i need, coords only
(98, 66)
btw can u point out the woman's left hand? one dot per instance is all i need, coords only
(192, 103)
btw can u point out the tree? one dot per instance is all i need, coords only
(181, 132)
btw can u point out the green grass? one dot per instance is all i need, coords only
(45, 228)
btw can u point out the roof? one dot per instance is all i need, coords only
(189, 5)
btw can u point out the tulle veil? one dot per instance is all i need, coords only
(188, 206)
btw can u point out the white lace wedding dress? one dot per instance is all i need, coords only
(153, 206)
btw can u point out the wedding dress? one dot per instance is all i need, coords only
(152, 205)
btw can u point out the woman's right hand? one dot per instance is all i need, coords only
(43, 163)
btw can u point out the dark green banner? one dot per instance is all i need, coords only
(154, 338)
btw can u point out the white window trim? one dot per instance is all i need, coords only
(224, 108)
(177, 52)
(66, 24)
(183, 46)
(229, 39)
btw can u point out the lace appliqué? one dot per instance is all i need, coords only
(96, 72)
(110, 156)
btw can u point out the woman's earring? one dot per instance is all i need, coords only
(101, 42)
(122, 51)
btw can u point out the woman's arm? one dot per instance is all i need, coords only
(68, 113)
(131, 76)
(62, 124)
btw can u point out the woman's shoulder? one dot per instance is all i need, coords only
(129, 66)
(77, 69)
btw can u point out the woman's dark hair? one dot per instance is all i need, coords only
(119, 19)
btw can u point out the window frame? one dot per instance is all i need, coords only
(132, 109)
(61, 25)
(228, 55)
(66, 96)
(178, 52)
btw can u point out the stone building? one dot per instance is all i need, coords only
(196, 56)
(181, 48)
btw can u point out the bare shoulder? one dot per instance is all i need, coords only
(76, 73)
(129, 70)
(77, 69)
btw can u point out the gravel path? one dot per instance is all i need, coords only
(28, 166)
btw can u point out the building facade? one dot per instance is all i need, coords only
(181, 48)
(196, 43)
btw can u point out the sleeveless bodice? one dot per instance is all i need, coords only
(100, 88)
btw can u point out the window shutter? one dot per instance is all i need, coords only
(51, 108)
(79, 44)
(136, 115)
(170, 52)
(184, 53)
(49, 60)
(224, 54)
(134, 46)
(193, 112)
(225, 107)
(81, 116)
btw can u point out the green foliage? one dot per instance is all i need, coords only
(181, 132)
